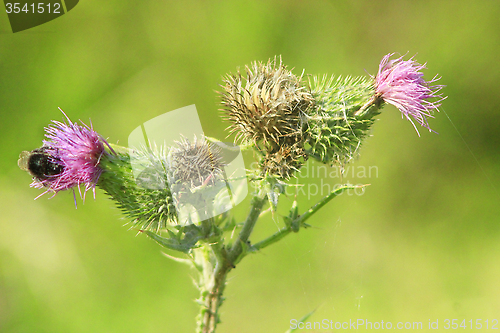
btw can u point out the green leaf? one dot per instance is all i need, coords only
(191, 236)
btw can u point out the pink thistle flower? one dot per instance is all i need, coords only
(74, 151)
(401, 84)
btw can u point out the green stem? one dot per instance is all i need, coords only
(304, 217)
(234, 256)
(214, 281)
(300, 220)
(219, 262)
(365, 109)
(271, 239)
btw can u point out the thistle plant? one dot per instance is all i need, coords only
(179, 198)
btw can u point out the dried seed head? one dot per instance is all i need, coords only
(284, 160)
(265, 103)
(197, 163)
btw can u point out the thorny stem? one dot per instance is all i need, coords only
(223, 261)
(213, 283)
(271, 239)
(304, 217)
(241, 241)
(300, 220)
(218, 261)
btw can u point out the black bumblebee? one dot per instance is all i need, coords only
(40, 163)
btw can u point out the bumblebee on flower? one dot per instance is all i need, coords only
(69, 158)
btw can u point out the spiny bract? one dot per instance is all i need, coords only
(266, 105)
(334, 131)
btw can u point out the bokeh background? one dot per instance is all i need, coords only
(422, 242)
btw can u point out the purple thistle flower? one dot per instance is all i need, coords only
(77, 150)
(401, 84)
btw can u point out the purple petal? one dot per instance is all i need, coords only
(79, 150)
(400, 83)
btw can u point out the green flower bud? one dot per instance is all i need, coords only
(341, 119)
(150, 208)
(161, 188)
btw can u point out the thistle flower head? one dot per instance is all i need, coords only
(400, 83)
(73, 152)
(267, 106)
(197, 163)
(266, 103)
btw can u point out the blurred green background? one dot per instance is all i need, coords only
(422, 242)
